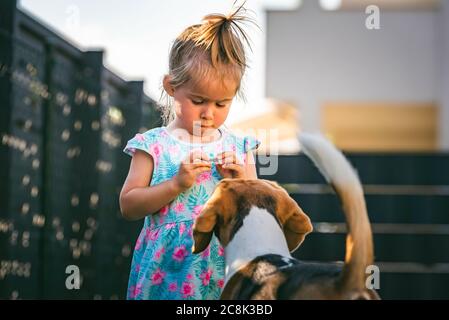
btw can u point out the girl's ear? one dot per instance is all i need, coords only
(167, 85)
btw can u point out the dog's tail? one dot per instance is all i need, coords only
(339, 173)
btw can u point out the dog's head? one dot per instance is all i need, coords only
(231, 201)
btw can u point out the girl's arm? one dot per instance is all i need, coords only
(137, 199)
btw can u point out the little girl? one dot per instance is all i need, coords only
(175, 168)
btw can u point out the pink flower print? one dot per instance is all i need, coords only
(147, 235)
(205, 276)
(131, 292)
(220, 283)
(138, 290)
(187, 289)
(206, 252)
(159, 253)
(156, 150)
(152, 235)
(179, 207)
(220, 251)
(197, 211)
(138, 244)
(182, 228)
(157, 276)
(189, 277)
(163, 134)
(170, 225)
(137, 269)
(190, 232)
(140, 137)
(179, 253)
(134, 291)
(205, 176)
(172, 287)
(164, 211)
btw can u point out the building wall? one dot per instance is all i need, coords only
(316, 56)
(443, 30)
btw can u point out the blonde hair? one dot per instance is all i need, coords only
(214, 47)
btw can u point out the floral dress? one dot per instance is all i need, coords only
(163, 266)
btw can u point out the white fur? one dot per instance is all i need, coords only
(260, 234)
(331, 162)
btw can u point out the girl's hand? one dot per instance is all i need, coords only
(228, 166)
(196, 163)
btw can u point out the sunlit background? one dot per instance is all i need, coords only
(137, 37)
(309, 56)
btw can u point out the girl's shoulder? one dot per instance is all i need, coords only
(146, 141)
(157, 132)
(151, 136)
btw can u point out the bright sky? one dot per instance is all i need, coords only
(136, 36)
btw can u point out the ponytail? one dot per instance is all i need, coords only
(221, 35)
(214, 47)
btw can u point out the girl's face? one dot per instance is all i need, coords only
(202, 108)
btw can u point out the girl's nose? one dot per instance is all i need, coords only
(207, 113)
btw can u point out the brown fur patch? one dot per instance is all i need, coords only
(231, 202)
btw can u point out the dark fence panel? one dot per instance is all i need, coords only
(407, 197)
(389, 169)
(64, 120)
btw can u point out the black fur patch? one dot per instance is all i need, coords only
(244, 206)
(295, 272)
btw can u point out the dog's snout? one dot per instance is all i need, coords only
(359, 295)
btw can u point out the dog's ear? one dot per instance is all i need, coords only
(203, 228)
(295, 222)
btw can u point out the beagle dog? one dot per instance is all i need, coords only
(259, 224)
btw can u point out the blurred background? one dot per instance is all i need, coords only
(80, 78)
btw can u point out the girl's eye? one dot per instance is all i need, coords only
(221, 105)
(197, 101)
